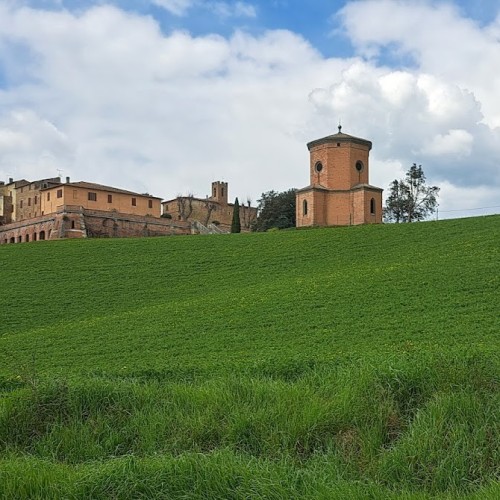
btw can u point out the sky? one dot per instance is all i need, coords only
(166, 96)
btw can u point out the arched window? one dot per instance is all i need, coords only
(304, 207)
(372, 206)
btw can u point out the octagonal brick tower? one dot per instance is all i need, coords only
(339, 193)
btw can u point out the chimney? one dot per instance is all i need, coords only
(11, 180)
(67, 180)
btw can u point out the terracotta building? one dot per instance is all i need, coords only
(49, 209)
(339, 193)
(92, 196)
(214, 210)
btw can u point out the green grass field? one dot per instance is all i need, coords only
(356, 362)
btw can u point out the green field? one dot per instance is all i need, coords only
(357, 362)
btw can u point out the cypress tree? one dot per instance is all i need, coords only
(236, 224)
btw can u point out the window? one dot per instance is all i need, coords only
(72, 224)
(21, 204)
(150, 203)
(222, 191)
(372, 206)
(48, 196)
(36, 200)
(359, 166)
(92, 196)
(134, 202)
(110, 198)
(215, 192)
(29, 202)
(318, 167)
(59, 193)
(304, 207)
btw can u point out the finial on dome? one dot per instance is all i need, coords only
(340, 128)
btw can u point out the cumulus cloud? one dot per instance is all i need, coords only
(166, 113)
(437, 37)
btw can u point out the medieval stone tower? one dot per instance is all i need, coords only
(339, 193)
(219, 192)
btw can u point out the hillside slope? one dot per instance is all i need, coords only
(326, 363)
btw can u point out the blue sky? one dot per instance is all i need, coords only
(167, 95)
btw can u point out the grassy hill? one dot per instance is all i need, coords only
(332, 363)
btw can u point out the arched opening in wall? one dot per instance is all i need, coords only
(42, 235)
(372, 206)
(34, 236)
(13, 240)
(304, 207)
(72, 224)
(27, 238)
(19, 239)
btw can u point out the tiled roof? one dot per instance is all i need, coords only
(109, 189)
(339, 137)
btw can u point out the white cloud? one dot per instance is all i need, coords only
(455, 143)
(221, 9)
(438, 38)
(176, 7)
(30, 145)
(238, 9)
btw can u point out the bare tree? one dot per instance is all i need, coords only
(185, 206)
(210, 206)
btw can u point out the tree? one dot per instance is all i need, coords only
(236, 224)
(410, 199)
(185, 206)
(276, 210)
(210, 206)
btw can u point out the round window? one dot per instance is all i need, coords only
(318, 167)
(359, 166)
